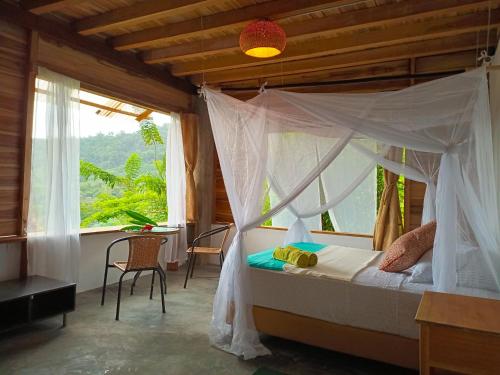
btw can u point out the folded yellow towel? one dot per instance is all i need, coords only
(313, 258)
(291, 255)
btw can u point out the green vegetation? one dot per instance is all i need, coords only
(110, 187)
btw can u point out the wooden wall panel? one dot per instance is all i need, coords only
(204, 171)
(414, 204)
(111, 80)
(13, 60)
(222, 209)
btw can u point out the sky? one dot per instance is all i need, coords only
(90, 122)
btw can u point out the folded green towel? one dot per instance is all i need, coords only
(291, 255)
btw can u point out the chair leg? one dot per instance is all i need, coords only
(192, 266)
(162, 280)
(119, 296)
(152, 285)
(222, 256)
(136, 276)
(189, 260)
(104, 285)
(164, 275)
(220, 260)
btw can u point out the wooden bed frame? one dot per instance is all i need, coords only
(360, 342)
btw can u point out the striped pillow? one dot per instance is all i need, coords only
(407, 249)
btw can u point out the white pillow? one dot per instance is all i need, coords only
(422, 271)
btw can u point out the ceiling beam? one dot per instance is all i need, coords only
(61, 33)
(369, 56)
(363, 86)
(360, 87)
(136, 13)
(446, 62)
(351, 21)
(437, 64)
(400, 34)
(350, 81)
(231, 19)
(47, 6)
(399, 67)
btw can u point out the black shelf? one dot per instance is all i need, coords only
(34, 298)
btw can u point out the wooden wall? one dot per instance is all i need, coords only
(15, 110)
(111, 80)
(414, 204)
(222, 208)
(204, 171)
(13, 61)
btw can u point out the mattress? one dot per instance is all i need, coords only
(374, 300)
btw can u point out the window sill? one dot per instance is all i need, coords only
(100, 230)
(106, 230)
(346, 234)
(324, 232)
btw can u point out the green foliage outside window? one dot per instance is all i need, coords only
(135, 185)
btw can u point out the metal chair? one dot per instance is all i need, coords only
(142, 256)
(194, 250)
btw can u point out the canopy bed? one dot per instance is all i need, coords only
(287, 142)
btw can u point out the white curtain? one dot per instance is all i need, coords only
(357, 210)
(287, 217)
(282, 179)
(443, 125)
(54, 213)
(176, 191)
(495, 116)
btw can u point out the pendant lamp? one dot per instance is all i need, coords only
(262, 38)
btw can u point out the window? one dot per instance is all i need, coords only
(122, 161)
(324, 221)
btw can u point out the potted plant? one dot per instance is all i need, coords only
(139, 223)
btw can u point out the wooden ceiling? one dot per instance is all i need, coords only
(330, 43)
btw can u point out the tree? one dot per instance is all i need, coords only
(131, 190)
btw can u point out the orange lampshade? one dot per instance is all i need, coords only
(262, 38)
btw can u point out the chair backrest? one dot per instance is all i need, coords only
(226, 235)
(143, 252)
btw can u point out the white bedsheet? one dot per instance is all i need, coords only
(374, 299)
(336, 262)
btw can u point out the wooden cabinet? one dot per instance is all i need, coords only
(459, 334)
(34, 298)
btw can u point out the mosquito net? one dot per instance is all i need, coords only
(294, 144)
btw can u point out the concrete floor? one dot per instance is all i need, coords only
(145, 341)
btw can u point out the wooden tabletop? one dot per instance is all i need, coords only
(157, 231)
(474, 313)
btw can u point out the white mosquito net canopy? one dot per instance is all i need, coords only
(314, 152)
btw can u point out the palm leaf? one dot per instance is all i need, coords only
(150, 133)
(87, 170)
(141, 218)
(151, 183)
(133, 166)
(138, 222)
